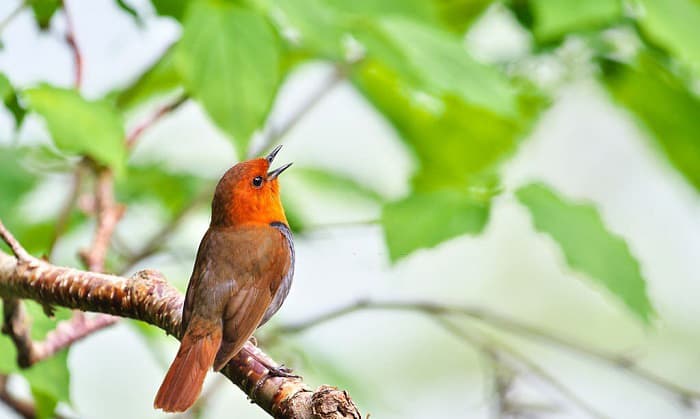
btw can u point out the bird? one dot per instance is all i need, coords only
(242, 274)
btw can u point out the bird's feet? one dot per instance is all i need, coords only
(281, 371)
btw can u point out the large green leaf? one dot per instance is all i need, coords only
(162, 77)
(92, 128)
(588, 246)
(454, 142)
(673, 24)
(664, 103)
(427, 219)
(8, 96)
(229, 59)
(554, 19)
(437, 63)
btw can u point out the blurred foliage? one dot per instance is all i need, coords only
(8, 95)
(226, 48)
(91, 128)
(588, 245)
(641, 87)
(428, 219)
(48, 380)
(44, 11)
(460, 118)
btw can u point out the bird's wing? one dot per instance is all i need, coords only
(237, 274)
(200, 268)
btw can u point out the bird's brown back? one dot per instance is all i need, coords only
(238, 272)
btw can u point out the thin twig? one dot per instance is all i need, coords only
(16, 248)
(17, 325)
(72, 43)
(108, 212)
(158, 114)
(64, 215)
(275, 133)
(159, 239)
(485, 343)
(506, 324)
(23, 409)
(13, 14)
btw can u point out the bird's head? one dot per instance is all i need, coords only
(248, 193)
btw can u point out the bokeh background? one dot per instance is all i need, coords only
(608, 115)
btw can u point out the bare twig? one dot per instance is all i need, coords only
(274, 134)
(109, 212)
(72, 43)
(13, 14)
(148, 297)
(17, 326)
(158, 114)
(507, 324)
(16, 248)
(490, 344)
(23, 409)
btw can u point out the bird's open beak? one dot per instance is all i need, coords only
(272, 174)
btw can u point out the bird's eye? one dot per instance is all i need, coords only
(257, 181)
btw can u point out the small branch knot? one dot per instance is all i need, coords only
(328, 402)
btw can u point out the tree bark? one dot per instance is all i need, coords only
(147, 296)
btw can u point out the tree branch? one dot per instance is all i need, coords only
(23, 409)
(503, 323)
(109, 212)
(157, 115)
(70, 40)
(147, 296)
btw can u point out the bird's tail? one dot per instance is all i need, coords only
(183, 382)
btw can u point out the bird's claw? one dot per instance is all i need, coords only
(282, 371)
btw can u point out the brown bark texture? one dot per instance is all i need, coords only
(148, 297)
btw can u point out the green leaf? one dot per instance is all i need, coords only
(673, 24)
(172, 8)
(8, 95)
(320, 28)
(92, 128)
(437, 63)
(162, 77)
(51, 377)
(425, 220)
(553, 19)
(454, 142)
(588, 246)
(44, 11)
(675, 124)
(44, 404)
(173, 191)
(229, 59)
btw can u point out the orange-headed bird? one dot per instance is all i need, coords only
(241, 276)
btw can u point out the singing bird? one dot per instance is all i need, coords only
(241, 276)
